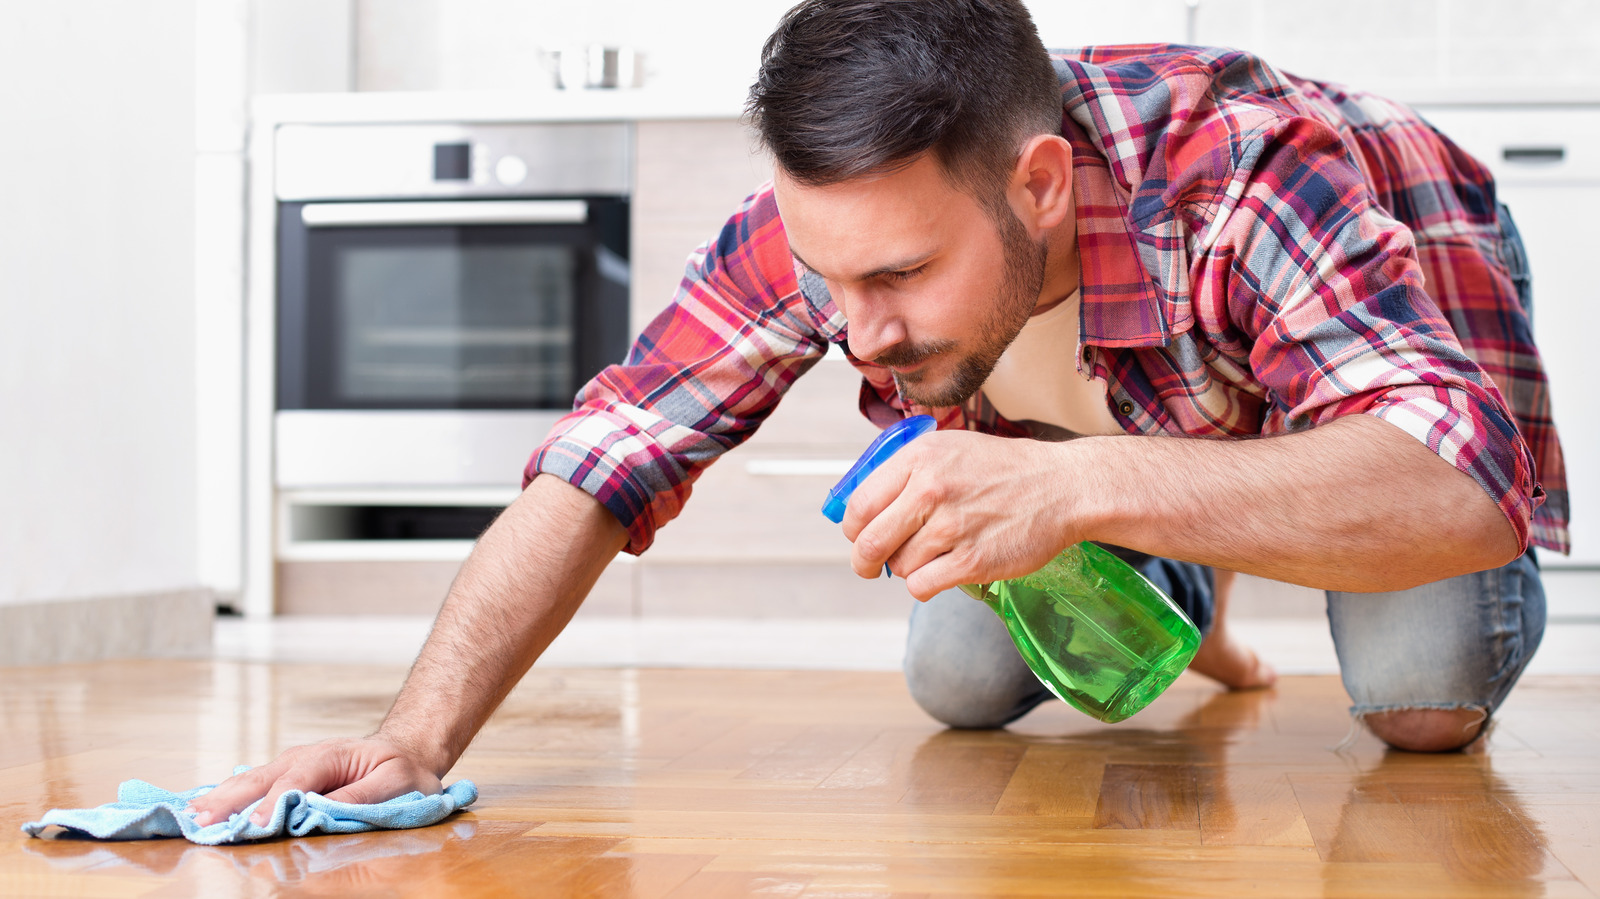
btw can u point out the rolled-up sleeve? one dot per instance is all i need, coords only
(697, 382)
(1327, 285)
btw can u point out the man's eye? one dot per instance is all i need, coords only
(906, 275)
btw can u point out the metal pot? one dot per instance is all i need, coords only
(596, 66)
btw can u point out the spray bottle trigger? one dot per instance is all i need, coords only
(887, 444)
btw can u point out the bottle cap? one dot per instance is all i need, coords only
(888, 443)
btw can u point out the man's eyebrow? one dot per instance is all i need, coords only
(898, 266)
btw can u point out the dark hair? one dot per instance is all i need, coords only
(856, 87)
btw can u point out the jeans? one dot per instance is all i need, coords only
(1456, 643)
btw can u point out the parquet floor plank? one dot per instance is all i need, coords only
(1054, 782)
(1148, 797)
(1249, 806)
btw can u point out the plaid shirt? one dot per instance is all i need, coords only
(1260, 254)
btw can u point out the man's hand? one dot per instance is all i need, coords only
(356, 771)
(956, 507)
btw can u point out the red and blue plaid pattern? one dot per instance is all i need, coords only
(1260, 254)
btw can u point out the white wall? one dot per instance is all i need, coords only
(1403, 47)
(497, 44)
(97, 378)
(299, 46)
(1503, 49)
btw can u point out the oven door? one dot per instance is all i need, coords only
(449, 304)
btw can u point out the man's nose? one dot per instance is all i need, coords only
(873, 325)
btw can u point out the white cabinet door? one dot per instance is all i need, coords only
(1546, 163)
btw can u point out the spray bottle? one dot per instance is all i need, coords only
(1091, 627)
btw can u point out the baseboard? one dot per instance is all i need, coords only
(1261, 598)
(151, 625)
(409, 587)
(644, 588)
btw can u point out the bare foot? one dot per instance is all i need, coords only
(1224, 659)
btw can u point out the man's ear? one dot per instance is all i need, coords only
(1041, 183)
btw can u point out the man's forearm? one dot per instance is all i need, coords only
(524, 580)
(1354, 505)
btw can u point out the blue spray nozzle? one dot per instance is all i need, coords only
(888, 443)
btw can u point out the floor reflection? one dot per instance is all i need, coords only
(1410, 808)
(335, 865)
(1126, 776)
(1211, 777)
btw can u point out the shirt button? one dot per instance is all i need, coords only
(1126, 408)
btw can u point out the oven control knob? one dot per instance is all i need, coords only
(511, 170)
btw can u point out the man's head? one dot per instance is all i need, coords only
(902, 132)
(862, 87)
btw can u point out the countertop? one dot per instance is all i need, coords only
(634, 104)
(665, 102)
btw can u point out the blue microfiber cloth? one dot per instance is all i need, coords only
(143, 811)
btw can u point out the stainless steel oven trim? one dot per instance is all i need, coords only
(378, 161)
(432, 449)
(445, 212)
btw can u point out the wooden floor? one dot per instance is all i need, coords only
(770, 784)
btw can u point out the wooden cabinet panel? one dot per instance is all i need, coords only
(690, 176)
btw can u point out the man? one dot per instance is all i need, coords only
(1133, 247)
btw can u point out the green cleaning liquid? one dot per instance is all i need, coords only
(1094, 631)
(1091, 628)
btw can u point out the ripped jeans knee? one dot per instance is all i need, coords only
(1427, 667)
(1428, 729)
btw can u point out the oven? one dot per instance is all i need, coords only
(425, 298)
(442, 291)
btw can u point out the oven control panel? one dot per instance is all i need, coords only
(390, 162)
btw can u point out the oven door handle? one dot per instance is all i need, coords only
(444, 212)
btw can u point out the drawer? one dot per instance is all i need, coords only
(1527, 146)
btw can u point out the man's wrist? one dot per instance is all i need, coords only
(422, 750)
(1090, 496)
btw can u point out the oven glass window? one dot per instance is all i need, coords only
(455, 324)
(414, 315)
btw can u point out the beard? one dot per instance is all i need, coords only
(1022, 280)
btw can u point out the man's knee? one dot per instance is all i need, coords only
(961, 667)
(958, 696)
(1427, 730)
